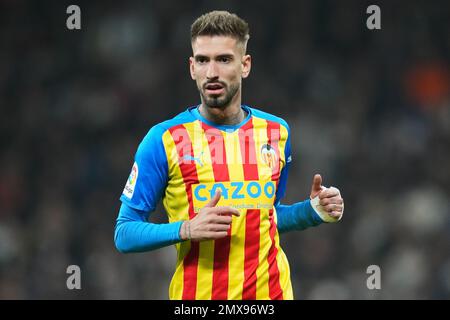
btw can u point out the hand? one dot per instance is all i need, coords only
(330, 199)
(210, 223)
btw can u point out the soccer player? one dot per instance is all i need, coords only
(220, 169)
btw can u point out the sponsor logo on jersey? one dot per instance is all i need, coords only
(238, 194)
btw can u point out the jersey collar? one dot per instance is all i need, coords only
(229, 128)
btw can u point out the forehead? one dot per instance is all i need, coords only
(214, 45)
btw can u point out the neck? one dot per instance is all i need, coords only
(229, 115)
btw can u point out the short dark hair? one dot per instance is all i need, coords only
(221, 23)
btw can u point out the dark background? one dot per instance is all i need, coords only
(369, 110)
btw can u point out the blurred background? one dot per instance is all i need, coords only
(369, 110)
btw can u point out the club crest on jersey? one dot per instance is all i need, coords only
(131, 182)
(268, 155)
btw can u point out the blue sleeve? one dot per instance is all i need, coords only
(143, 190)
(298, 216)
(281, 190)
(149, 174)
(134, 234)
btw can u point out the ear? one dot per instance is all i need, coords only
(246, 65)
(191, 67)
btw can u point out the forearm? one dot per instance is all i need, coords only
(298, 216)
(134, 234)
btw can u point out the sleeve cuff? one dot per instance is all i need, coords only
(176, 229)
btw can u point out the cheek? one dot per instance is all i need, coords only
(198, 74)
(233, 74)
(199, 83)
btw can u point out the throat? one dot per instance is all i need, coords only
(226, 116)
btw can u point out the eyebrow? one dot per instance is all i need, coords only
(200, 56)
(229, 56)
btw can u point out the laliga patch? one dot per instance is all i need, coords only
(131, 182)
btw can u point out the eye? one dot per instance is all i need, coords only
(201, 60)
(224, 59)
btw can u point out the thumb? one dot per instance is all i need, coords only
(215, 199)
(316, 185)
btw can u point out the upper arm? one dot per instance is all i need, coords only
(149, 174)
(282, 183)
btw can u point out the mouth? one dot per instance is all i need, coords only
(214, 88)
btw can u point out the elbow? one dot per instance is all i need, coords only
(119, 242)
(120, 247)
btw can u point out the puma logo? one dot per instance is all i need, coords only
(198, 160)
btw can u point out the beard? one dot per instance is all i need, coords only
(220, 101)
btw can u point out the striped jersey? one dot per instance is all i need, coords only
(183, 161)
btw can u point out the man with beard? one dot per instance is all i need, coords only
(220, 169)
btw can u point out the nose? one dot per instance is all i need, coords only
(212, 72)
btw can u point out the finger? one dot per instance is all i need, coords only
(215, 199)
(316, 186)
(335, 214)
(329, 193)
(212, 235)
(317, 182)
(222, 219)
(218, 227)
(225, 211)
(333, 200)
(333, 207)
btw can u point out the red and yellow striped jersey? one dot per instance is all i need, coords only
(184, 161)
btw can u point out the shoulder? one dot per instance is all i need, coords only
(270, 117)
(156, 132)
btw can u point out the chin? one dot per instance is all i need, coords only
(216, 103)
